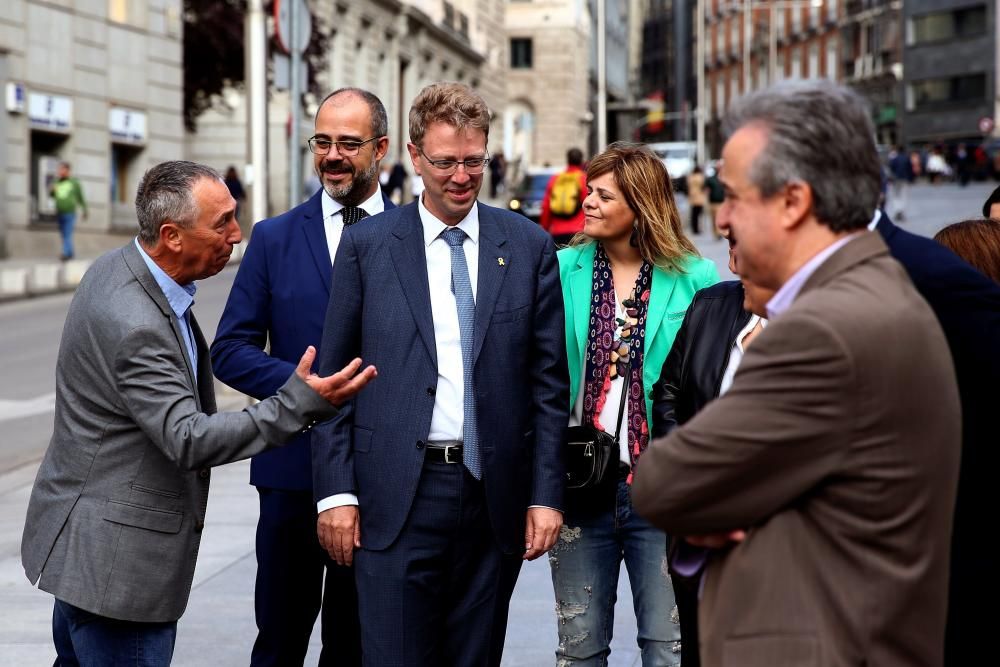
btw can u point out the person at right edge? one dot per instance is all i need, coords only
(562, 205)
(627, 282)
(824, 480)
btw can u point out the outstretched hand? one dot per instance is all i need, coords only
(338, 387)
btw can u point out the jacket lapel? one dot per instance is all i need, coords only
(659, 296)
(409, 260)
(205, 384)
(315, 232)
(580, 281)
(494, 258)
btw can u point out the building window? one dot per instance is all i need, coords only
(520, 53)
(831, 10)
(796, 63)
(132, 12)
(933, 93)
(942, 26)
(813, 72)
(831, 59)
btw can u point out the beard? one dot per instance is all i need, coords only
(355, 192)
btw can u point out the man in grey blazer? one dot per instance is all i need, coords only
(826, 477)
(118, 506)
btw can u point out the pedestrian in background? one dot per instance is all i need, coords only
(68, 195)
(277, 307)
(562, 204)
(977, 242)
(716, 195)
(118, 506)
(697, 197)
(901, 177)
(627, 282)
(232, 180)
(498, 171)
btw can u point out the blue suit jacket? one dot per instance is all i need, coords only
(967, 305)
(380, 310)
(280, 294)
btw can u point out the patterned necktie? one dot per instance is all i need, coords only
(461, 287)
(352, 214)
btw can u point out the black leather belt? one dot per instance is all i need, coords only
(443, 453)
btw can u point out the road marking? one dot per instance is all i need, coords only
(30, 407)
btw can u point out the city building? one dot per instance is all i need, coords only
(871, 34)
(548, 82)
(96, 84)
(950, 71)
(390, 47)
(780, 39)
(667, 72)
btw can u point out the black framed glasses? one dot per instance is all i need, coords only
(322, 146)
(473, 165)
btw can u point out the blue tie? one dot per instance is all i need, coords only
(461, 287)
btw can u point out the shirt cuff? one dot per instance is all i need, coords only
(545, 507)
(336, 500)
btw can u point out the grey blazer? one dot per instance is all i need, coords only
(837, 448)
(116, 513)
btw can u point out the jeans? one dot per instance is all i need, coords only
(66, 223)
(585, 563)
(87, 640)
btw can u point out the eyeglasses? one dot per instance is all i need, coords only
(322, 146)
(473, 165)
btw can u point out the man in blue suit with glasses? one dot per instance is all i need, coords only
(279, 299)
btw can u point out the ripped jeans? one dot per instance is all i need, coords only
(585, 563)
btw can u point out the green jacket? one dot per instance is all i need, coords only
(669, 297)
(68, 195)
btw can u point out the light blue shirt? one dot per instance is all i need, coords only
(783, 298)
(180, 298)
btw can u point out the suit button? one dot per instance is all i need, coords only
(199, 526)
(431, 391)
(204, 473)
(420, 444)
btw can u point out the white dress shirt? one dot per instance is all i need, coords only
(736, 355)
(448, 415)
(333, 219)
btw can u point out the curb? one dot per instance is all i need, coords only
(31, 280)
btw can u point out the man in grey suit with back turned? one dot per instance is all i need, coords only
(826, 476)
(450, 474)
(118, 506)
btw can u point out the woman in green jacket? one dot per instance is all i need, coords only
(627, 281)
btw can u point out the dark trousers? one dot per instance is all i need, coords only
(438, 596)
(291, 587)
(83, 639)
(696, 219)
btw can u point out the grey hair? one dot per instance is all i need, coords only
(819, 133)
(380, 121)
(165, 195)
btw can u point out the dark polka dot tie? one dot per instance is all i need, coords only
(352, 214)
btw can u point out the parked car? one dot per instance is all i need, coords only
(679, 158)
(526, 197)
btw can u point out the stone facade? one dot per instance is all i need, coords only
(391, 47)
(548, 103)
(97, 83)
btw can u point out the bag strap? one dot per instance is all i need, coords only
(621, 405)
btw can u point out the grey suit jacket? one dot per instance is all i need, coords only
(116, 513)
(837, 447)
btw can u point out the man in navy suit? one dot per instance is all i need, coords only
(444, 479)
(967, 305)
(279, 297)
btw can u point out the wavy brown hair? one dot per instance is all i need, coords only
(976, 241)
(646, 186)
(448, 102)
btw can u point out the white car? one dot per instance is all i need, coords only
(679, 158)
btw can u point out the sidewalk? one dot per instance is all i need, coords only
(25, 278)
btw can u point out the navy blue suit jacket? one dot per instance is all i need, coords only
(380, 310)
(280, 294)
(967, 304)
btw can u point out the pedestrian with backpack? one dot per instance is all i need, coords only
(562, 205)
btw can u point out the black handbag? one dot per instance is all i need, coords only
(589, 452)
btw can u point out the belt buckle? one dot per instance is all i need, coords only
(447, 453)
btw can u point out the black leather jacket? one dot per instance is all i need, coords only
(693, 370)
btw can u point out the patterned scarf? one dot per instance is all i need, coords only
(610, 344)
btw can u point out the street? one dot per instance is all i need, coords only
(218, 627)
